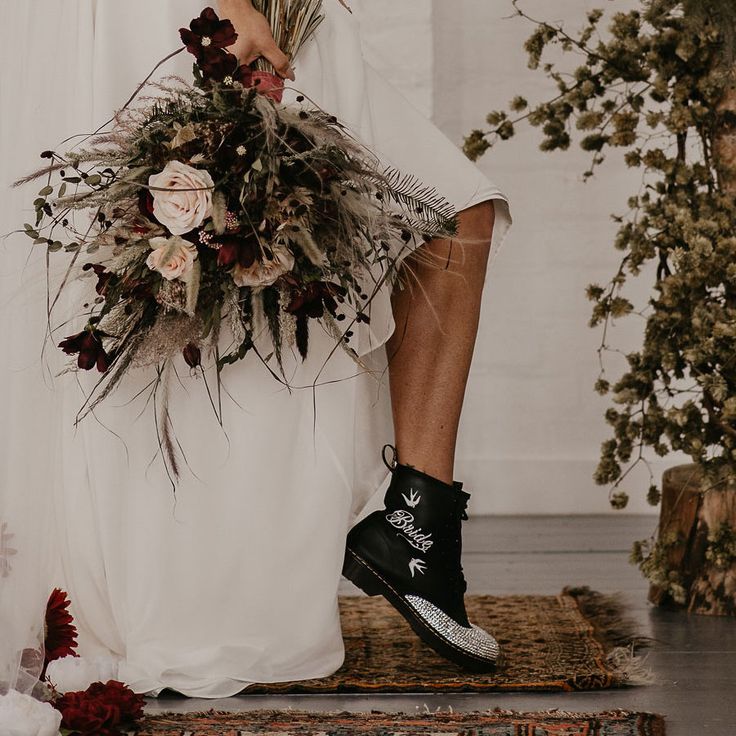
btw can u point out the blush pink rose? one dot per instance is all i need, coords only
(173, 257)
(182, 197)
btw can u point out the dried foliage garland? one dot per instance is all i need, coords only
(658, 84)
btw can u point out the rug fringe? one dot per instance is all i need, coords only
(616, 632)
(605, 611)
(629, 668)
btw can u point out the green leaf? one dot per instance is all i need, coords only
(93, 180)
(46, 191)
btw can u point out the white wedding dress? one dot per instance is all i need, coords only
(232, 580)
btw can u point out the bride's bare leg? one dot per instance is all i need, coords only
(432, 346)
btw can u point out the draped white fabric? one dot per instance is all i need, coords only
(233, 579)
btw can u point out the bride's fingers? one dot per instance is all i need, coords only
(280, 61)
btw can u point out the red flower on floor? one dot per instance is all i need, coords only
(103, 709)
(60, 634)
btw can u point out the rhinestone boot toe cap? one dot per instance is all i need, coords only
(472, 639)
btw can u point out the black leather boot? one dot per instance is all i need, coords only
(409, 552)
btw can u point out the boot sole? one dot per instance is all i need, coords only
(361, 574)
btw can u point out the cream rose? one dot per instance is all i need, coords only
(173, 257)
(265, 272)
(22, 715)
(182, 197)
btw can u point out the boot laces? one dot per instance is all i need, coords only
(455, 567)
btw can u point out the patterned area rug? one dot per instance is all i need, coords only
(489, 723)
(578, 640)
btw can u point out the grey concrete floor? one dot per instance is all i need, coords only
(694, 656)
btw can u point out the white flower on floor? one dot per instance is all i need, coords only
(182, 197)
(171, 257)
(70, 674)
(22, 715)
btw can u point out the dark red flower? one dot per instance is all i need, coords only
(208, 32)
(192, 355)
(101, 709)
(145, 204)
(312, 299)
(88, 343)
(60, 634)
(217, 65)
(128, 703)
(236, 249)
(103, 276)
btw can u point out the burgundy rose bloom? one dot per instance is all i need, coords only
(88, 344)
(192, 355)
(208, 32)
(235, 249)
(119, 695)
(85, 716)
(313, 298)
(100, 710)
(60, 634)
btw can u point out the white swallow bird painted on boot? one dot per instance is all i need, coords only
(413, 499)
(418, 564)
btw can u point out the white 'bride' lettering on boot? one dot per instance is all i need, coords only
(404, 521)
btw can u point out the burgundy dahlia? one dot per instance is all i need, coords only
(60, 634)
(88, 343)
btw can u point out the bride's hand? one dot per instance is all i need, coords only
(254, 37)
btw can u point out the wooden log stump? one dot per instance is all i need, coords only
(696, 540)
